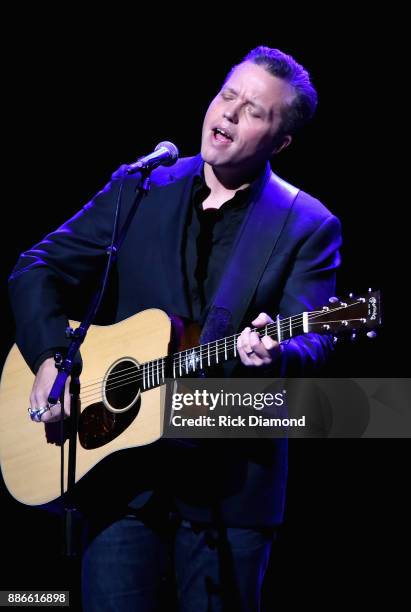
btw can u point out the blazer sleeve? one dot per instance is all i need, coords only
(310, 284)
(67, 258)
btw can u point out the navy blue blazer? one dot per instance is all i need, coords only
(298, 276)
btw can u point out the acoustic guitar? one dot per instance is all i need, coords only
(125, 367)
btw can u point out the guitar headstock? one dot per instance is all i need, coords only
(352, 314)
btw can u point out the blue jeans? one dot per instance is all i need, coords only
(142, 565)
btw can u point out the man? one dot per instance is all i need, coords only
(200, 215)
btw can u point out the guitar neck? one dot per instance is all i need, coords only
(213, 353)
(352, 315)
(200, 358)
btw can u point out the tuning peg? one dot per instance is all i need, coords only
(351, 295)
(369, 290)
(353, 336)
(372, 334)
(335, 340)
(333, 300)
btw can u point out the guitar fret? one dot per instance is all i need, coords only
(158, 372)
(216, 351)
(186, 363)
(179, 366)
(162, 369)
(278, 328)
(225, 349)
(235, 346)
(208, 353)
(291, 327)
(174, 368)
(144, 375)
(152, 373)
(201, 357)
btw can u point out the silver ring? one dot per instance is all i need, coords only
(36, 413)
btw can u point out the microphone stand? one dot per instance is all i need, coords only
(68, 367)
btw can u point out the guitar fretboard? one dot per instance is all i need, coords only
(200, 358)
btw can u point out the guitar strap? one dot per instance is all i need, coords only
(254, 245)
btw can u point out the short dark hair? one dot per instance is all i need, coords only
(283, 66)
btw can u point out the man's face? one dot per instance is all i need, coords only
(241, 122)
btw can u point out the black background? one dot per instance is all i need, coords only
(84, 95)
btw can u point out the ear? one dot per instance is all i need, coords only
(286, 141)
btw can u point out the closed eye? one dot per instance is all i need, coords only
(253, 112)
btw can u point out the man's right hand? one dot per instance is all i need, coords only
(43, 382)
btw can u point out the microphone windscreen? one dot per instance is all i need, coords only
(172, 149)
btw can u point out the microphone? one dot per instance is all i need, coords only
(165, 154)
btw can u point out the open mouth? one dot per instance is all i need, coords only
(221, 135)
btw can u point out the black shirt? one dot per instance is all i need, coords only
(210, 235)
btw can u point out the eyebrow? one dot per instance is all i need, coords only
(235, 92)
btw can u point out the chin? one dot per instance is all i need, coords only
(209, 156)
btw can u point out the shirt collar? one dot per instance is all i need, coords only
(240, 199)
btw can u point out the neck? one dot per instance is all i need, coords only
(221, 181)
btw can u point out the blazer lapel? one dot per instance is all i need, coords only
(272, 199)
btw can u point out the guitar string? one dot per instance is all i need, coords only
(157, 371)
(214, 350)
(178, 358)
(296, 319)
(183, 365)
(228, 339)
(154, 372)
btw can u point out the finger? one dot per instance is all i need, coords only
(273, 347)
(255, 360)
(250, 360)
(244, 338)
(53, 414)
(33, 401)
(262, 319)
(37, 400)
(38, 396)
(257, 348)
(249, 348)
(244, 344)
(269, 343)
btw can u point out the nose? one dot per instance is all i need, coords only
(231, 114)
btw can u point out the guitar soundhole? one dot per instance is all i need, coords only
(121, 385)
(104, 421)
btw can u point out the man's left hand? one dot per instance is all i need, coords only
(254, 351)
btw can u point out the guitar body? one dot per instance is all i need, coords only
(30, 452)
